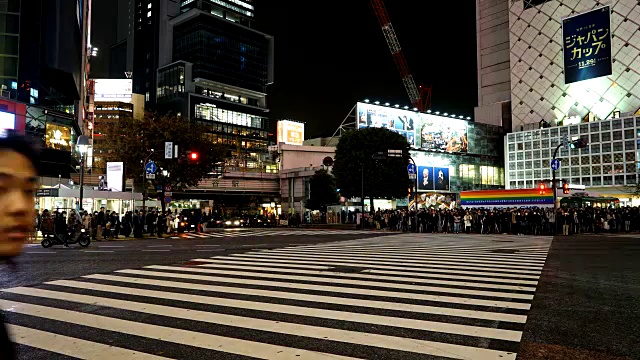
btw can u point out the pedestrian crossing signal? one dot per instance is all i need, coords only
(565, 188)
(542, 189)
(193, 156)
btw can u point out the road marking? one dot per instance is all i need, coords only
(111, 246)
(490, 276)
(469, 330)
(210, 250)
(309, 331)
(157, 250)
(157, 246)
(205, 245)
(336, 289)
(41, 252)
(374, 304)
(394, 286)
(77, 348)
(97, 251)
(163, 333)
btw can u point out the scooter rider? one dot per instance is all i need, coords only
(61, 227)
(18, 183)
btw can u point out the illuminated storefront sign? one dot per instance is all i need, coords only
(59, 137)
(7, 122)
(426, 131)
(430, 178)
(113, 90)
(290, 132)
(587, 45)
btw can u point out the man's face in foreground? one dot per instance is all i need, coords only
(17, 187)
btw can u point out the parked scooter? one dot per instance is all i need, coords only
(82, 238)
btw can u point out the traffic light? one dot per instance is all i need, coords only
(542, 189)
(194, 156)
(579, 143)
(565, 188)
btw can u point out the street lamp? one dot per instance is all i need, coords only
(83, 147)
(144, 180)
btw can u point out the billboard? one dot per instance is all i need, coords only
(113, 90)
(7, 121)
(400, 121)
(290, 132)
(444, 134)
(115, 174)
(433, 178)
(427, 131)
(587, 45)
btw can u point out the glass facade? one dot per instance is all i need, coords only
(213, 113)
(468, 172)
(171, 81)
(223, 52)
(611, 159)
(9, 49)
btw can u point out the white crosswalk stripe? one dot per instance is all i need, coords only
(406, 296)
(240, 233)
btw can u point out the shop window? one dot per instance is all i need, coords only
(607, 180)
(631, 179)
(596, 181)
(59, 137)
(619, 179)
(586, 181)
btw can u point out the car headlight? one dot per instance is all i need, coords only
(259, 220)
(227, 223)
(181, 224)
(82, 230)
(236, 222)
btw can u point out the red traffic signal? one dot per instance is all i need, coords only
(194, 156)
(542, 189)
(565, 188)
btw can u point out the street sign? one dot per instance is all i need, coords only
(151, 176)
(413, 176)
(151, 167)
(411, 169)
(168, 150)
(168, 193)
(555, 164)
(167, 199)
(168, 188)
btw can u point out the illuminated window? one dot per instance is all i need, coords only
(149, 14)
(149, 6)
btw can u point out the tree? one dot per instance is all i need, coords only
(130, 141)
(382, 178)
(322, 191)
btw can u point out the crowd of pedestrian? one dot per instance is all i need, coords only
(107, 225)
(517, 221)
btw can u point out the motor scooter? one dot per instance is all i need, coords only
(82, 238)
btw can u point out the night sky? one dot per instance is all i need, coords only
(328, 55)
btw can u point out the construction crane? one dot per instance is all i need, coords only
(420, 96)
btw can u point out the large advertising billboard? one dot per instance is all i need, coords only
(587, 45)
(400, 121)
(115, 174)
(113, 90)
(427, 131)
(290, 132)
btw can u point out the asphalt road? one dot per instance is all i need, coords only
(587, 306)
(281, 295)
(38, 265)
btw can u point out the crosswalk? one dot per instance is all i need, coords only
(238, 233)
(405, 296)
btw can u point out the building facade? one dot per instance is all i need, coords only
(538, 89)
(608, 166)
(494, 69)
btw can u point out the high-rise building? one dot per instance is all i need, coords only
(494, 70)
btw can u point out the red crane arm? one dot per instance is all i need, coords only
(420, 99)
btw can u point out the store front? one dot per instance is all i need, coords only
(65, 198)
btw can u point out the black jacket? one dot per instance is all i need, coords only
(7, 349)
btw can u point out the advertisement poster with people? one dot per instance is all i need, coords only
(449, 136)
(399, 121)
(430, 178)
(436, 133)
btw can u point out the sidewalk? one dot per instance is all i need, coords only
(38, 239)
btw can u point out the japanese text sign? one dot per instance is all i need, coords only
(587, 45)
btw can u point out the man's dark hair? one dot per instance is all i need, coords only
(10, 140)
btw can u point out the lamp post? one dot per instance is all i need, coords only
(83, 147)
(144, 179)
